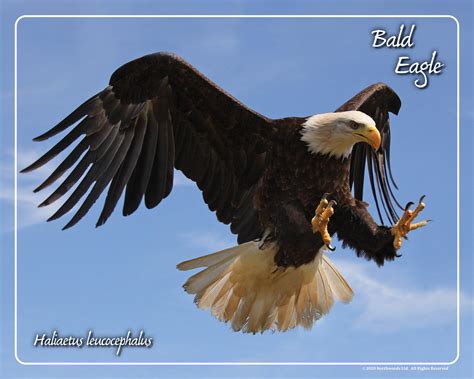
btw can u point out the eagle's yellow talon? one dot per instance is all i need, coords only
(322, 205)
(320, 221)
(404, 225)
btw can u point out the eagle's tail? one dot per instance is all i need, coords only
(243, 285)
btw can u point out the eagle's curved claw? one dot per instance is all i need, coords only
(404, 225)
(409, 205)
(320, 221)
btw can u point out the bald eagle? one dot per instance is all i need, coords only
(283, 185)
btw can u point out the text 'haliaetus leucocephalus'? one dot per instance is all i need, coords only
(283, 185)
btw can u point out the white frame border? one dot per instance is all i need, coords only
(236, 363)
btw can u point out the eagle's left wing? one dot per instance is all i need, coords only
(376, 101)
(158, 113)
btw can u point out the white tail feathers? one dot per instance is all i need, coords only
(244, 286)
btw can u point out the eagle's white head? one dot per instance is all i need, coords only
(335, 134)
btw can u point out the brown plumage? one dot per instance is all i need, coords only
(159, 113)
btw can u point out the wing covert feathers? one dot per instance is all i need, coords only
(241, 285)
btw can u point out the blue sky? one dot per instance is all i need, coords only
(122, 276)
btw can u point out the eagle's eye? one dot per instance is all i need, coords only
(354, 125)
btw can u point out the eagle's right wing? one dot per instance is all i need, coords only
(376, 101)
(159, 113)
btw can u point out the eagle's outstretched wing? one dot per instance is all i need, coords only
(159, 113)
(376, 101)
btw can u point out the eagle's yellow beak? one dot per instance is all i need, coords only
(369, 134)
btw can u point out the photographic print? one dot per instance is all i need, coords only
(236, 190)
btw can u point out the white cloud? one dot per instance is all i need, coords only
(388, 306)
(28, 212)
(26, 157)
(206, 241)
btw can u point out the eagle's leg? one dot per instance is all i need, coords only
(404, 225)
(320, 221)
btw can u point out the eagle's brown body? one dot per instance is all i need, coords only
(292, 185)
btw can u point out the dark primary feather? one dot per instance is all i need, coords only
(376, 101)
(158, 113)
